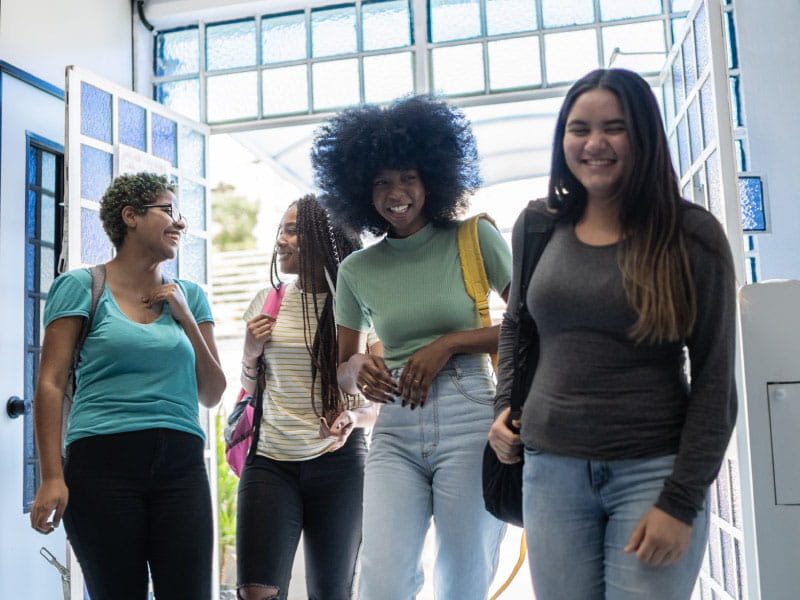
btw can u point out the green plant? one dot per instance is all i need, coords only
(227, 485)
(236, 218)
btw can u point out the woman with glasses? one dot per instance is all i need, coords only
(133, 490)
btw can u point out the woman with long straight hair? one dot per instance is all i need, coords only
(620, 446)
(308, 470)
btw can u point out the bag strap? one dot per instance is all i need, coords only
(473, 268)
(98, 273)
(272, 304)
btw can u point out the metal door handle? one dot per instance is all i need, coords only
(16, 406)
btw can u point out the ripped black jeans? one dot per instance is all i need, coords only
(139, 501)
(322, 498)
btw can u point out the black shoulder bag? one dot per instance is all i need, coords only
(502, 483)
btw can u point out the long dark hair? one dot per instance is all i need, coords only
(323, 246)
(652, 255)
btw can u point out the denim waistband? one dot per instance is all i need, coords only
(459, 365)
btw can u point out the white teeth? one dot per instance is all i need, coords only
(599, 163)
(399, 209)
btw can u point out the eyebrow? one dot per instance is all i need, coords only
(604, 123)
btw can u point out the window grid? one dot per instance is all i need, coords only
(422, 49)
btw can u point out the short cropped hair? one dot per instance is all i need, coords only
(129, 190)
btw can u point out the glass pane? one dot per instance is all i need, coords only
(677, 81)
(454, 19)
(48, 171)
(164, 139)
(611, 10)
(192, 198)
(730, 41)
(689, 67)
(191, 152)
(283, 38)
(47, 205)
(170, 268)
(557, 13)
(751, 197)
(668, 102)
(47, 268)
(707, 110)
(132, 125)
(740, 155)
(388, 76)
(701, 42)
(715, 550)
(695, 129)
(192, 259)
(231, 97)
(285, 90)
(177, 52)
(231, 45)
(181, 96)
(683, 146)
(724, 493)
(714, 185)
(335, 84)
(636, 37)
(96, 172)
(95, 246)
(386, 24)
(736, 106)
(678, 25)
(458, 69)
(681, 5)
(510, 16)
(569, 56)
(95, 113)
(514, 63)
(333, 31)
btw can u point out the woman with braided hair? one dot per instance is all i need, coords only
(307, 473)
(406, 172)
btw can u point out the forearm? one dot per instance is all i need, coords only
(210, 377)
(47, 423)
(471, 341)
(347, 374)
(505, 362)
(365, 416)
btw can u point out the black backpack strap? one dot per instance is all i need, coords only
(98, 273)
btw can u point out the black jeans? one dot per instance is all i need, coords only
(139, 500)
(321, 497)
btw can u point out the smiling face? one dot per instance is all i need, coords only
(596, 143)
(398, 196)
(164, 233)
(287, 245)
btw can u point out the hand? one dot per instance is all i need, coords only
(51, 499)
(505, 443)
(259, 332)
(374, 380)
(172, 294)
(340, 430)
(421, 369)
(659, 539)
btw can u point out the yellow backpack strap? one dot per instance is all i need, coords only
(473, 270)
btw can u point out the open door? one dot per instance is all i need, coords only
(699, 126)
(110, 131)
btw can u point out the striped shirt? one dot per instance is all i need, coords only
(289, 425)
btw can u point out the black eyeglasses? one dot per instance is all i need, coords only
(171, 212)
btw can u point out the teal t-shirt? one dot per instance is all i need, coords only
(131, 376)
(412, 289)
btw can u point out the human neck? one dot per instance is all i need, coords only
(600, 223)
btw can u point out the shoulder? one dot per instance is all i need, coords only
(190, 288)
(702, 227)
(72, 282)
(360, 258)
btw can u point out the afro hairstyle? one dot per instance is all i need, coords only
(417, 132)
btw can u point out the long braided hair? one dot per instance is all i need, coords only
(322, 246)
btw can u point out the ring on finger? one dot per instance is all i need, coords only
(364, 387)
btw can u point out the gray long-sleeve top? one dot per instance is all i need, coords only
(596, 395)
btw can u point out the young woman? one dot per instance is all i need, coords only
(308, 471)
(406, 172)
(620, 448)
(133, 491)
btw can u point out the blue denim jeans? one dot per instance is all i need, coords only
(426, 463)
(579, 516)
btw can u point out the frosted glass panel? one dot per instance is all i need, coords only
(191, 152)
(751, 196)
(636, 37)
(192, 198)
(558, 13)
(701, 42)
(285, 90)
(623, 9)
(335, 83)
(678, 24)
(47, 267)
(95, 247)
(177, 52)
(681, 5)
(695, 129)
(231, 45)
(132, 127)
(47, 218)
(707, 110)
(514, 63)
(678, 83)
(689, 67)
(458, 69)
(569, 56)
(170, 268)
(714, 185)
(386, 24)
(192, 258)
(283, 38)
(454, 19)
(232, 97)
(388, 76)
(95, 113)
(333, 31)
(510, 16)
(684, 152)
(48, 171)
(96, 172)
(164, 139)
(182, 96)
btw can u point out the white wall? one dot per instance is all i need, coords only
(769, 53)
(44, 36)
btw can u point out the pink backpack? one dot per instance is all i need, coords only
(241, 431)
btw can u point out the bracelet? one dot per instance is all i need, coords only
(248, 377)
(247, 367)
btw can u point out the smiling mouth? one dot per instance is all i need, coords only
(175, 237)
(601, 162)
(399, 210)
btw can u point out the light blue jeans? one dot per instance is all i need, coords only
(579, 516)
(426, 463)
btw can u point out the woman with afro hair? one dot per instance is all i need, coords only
(406, 172)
